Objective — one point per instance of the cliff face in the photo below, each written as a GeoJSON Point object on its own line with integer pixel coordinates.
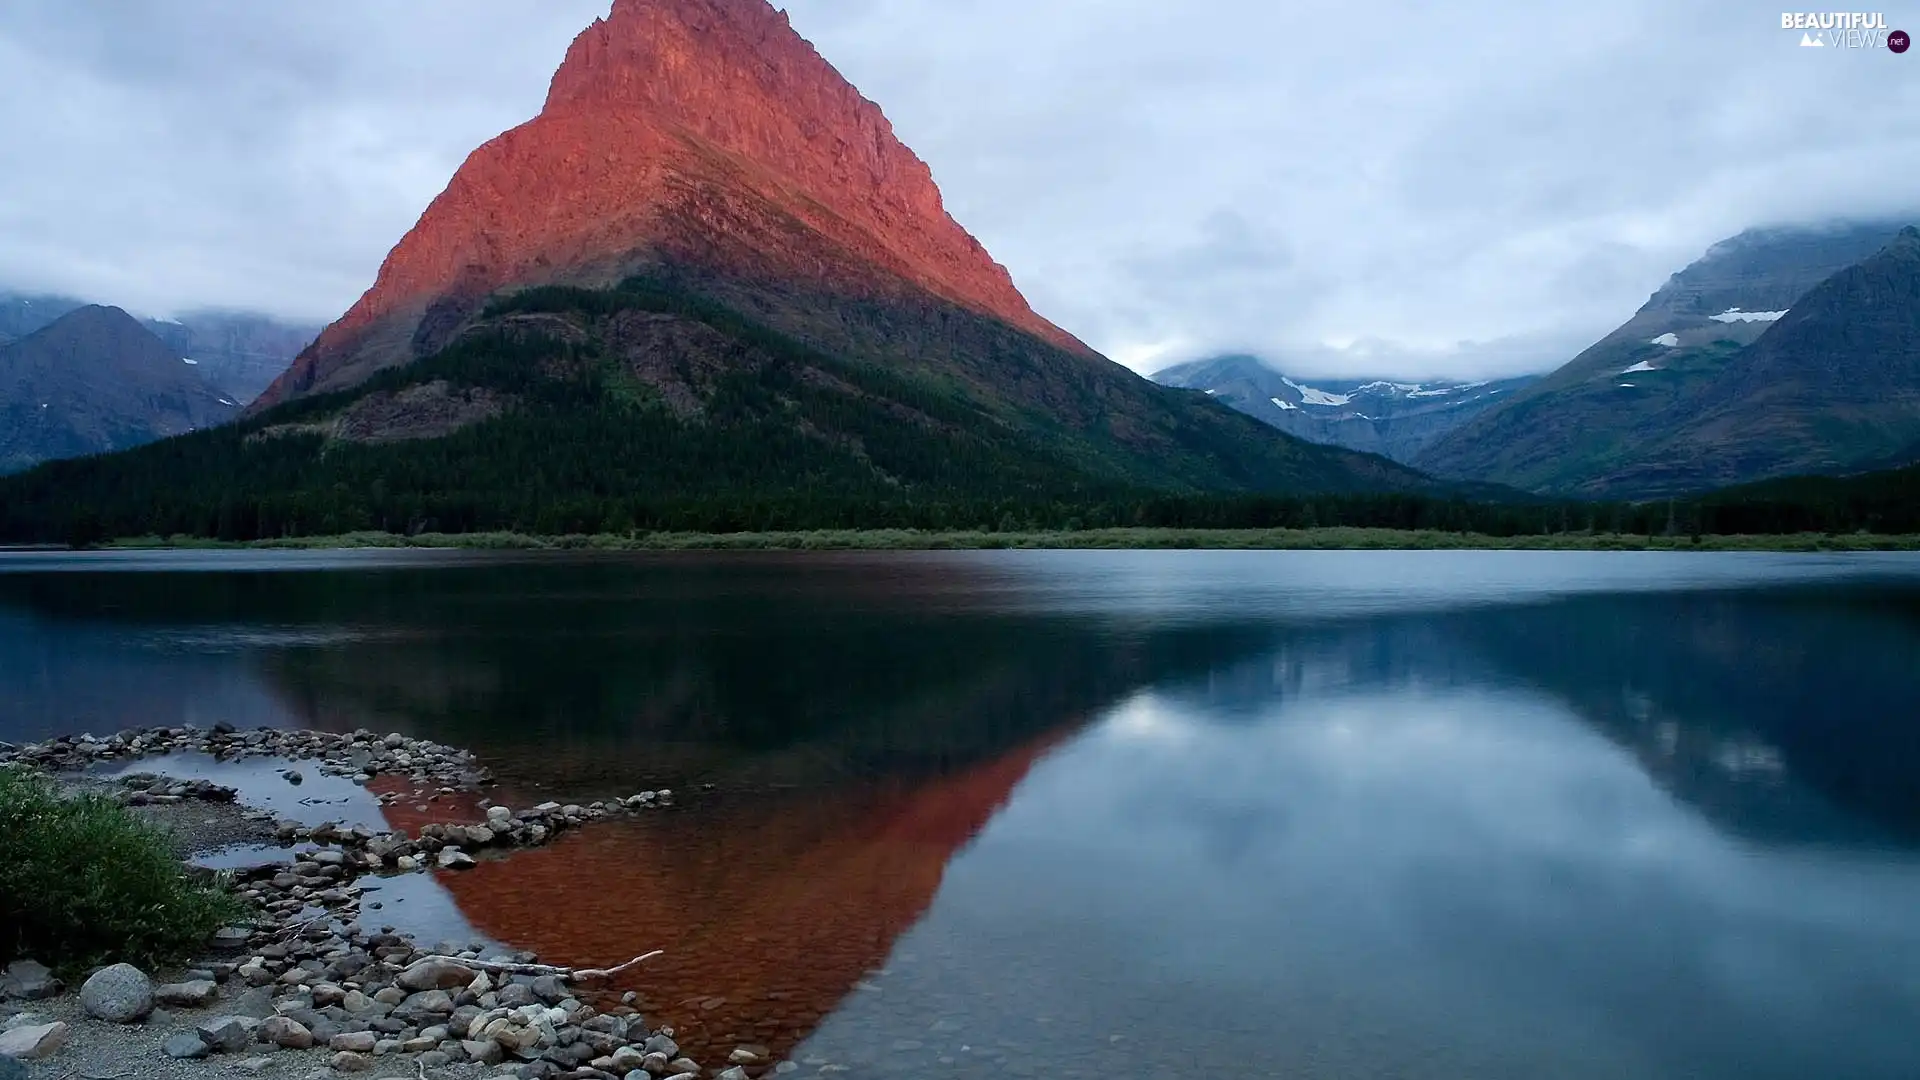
{"type": "Point", "coordinates": [702, 134]}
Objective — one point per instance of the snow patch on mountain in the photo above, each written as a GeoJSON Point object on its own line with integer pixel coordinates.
{"type": "Point", "coordinates": [1734, 315]}
{"type": "Point", "coordinates": [1442, 391]}
{"type": "Point", "coordinates": [1284, 405]}
{"type": "Point", "coordinates": [1670, 340]}
{"type": "Point", "coordinates": [1311, 396]}
{"type": "Point", "coordinates": [1641, 366]}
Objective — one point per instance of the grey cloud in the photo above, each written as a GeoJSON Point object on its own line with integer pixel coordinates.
{"type": "Point", "coordinates": [1476, 188]}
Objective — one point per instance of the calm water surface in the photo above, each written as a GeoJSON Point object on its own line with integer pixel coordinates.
{"type": "Point", "coordinates": [1120, 814]}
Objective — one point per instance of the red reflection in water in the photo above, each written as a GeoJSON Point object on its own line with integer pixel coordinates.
{"type": "Point", "coordinates": [771, 909]}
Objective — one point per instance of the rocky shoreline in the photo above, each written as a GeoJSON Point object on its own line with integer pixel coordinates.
{"type": "Point", "coordinates": [308, 989]}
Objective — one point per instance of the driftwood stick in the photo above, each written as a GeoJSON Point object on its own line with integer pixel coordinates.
{"type": "Point", "coordinates": [570, 974]}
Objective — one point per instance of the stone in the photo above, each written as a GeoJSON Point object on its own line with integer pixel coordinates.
{"type": "Point", "coordinates": [626, 1059]}
{"type": "Point", "coordinates": [256, 1003]}
{"type": "Point", "coordinates": [357, 1042]}
{"type": "Point", "coordinates": [22, 1020]}
{"type": "Point", "coordinates": [349, 1061]}
{"type": "Point", "coordinates": [356, 1003]}
{"type": "Point", "coordinates": [186, 1045]}
{"type": "Point", "coordinates": [229, 1034]}
{"type": "Point", "coordinates": [434, 1059]}
{"type": "Point", "coordinates": [425, 1004]}
{"type": "Point", "coordinates": [735, 1073]}
{"type": "Point", "coordinates": [656, 1064]}
{"type": "Point", "coordinates": [549, 988]}
{"type": "Point", "coordinates": [389, 995]}
{"type": "Point", "coordinates": [499, 817]}
{"type": "Point", "coordinates": [286, 1033]}
{"type": "Point", "coordinates": [193, 994]}
{"type": "Point", "coordinates": [662, 1044]}
{"type": "Point", "coordinates": [452, 858]}
{"type": "Point", "coordinates": [484, 1051]}
{"type": "Point", "coordinates": [231, 938]}
{"type": "Point", "coordinates": [685, 1067]}
{"type": "Point", "coordinates": [121, 994]}
{"type": "Point", "coordinates": [29, 980]}
{"type": "Point", "coordinates": [747, 1055]}
{"type": "Point", "coordinates": [34, 1042]}
{"type": "Point", "coordinates": [254, 1065]}
{"type": "Point", "coordinates": [434, 974]}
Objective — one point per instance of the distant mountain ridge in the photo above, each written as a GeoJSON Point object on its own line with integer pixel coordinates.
{"type": "Point", "coordinates": [239, 352]}
{"type": "Point", "coordinates": [1705, 342]}
{"type": "Point", "coordinates": [1394, 418]}
{"type": "Point", "coordinates": [96, 380]}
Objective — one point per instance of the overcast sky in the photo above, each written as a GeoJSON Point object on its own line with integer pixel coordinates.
{"type": "Point", "coordinates": [1397, 188]}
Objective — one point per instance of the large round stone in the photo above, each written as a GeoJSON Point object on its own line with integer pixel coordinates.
{"type": "Point", "coordinates": [121, 994]}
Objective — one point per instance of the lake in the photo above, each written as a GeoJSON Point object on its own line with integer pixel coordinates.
{"type": "Point", "coordinates": [1120, 814]}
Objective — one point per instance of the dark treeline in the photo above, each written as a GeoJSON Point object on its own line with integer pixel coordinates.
{"type": "Point", "coordinates": [334, 509]}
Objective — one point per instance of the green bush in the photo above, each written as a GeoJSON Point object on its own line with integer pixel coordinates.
{"type": "Point", "coordinates": [83, 882]}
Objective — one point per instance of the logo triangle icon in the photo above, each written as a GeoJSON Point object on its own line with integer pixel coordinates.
{"type": "Point", "coordinates": [1808, 41]}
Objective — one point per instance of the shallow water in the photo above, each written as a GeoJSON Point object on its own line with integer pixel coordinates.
{"type": "Point", "coordinates": [1120, 813]}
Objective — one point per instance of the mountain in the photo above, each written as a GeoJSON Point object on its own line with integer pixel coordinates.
{"type": "Point", "coordinates": [1833, 387]}
{"type": "Point", "coordinates": [23, 313]}
{"type": "Point", "coordinates": [239, 352]}
{"type": "Point", "coordinates": [1596, 426]}
{"type": "Point", "coordinates": [702, 135]}
{"type": "Point", "coordinates": [96, 380]}
{"type": "Point", "coordinates": [1380, 416]}
{"type": "Point", "coordinates": [705, 285]}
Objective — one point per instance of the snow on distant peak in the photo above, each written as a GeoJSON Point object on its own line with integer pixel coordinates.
{"type": "Point", "coordinates": [1284, 405]}
{"type": "Point", "coordinates": [1410, 389]}
{"type": "Point", "coordinates": [1311, 396]}
{"type": "Point", "coordinates": [1669, 340]}
{"type": "Point", "coordinates": [1442, 391]}
{"type": "Point", "coordinates": [184, 360]}
{"type": "Point", "coordinates": [1734, 315]}
{"type": "Point", "coordinates": [1641, 366]}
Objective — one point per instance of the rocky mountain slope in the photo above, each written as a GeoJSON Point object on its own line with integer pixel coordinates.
{"type": "Point", "coordinates": [239, 352]}
{"type": "Point", "coordinates": [1833, 387]}
{"type": "Point", "coordinates": [1590, 427]}
{"type": "Point", "coordinates": [97, 380]}
{"type": "Point", "coordinates": [1394, 418]}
